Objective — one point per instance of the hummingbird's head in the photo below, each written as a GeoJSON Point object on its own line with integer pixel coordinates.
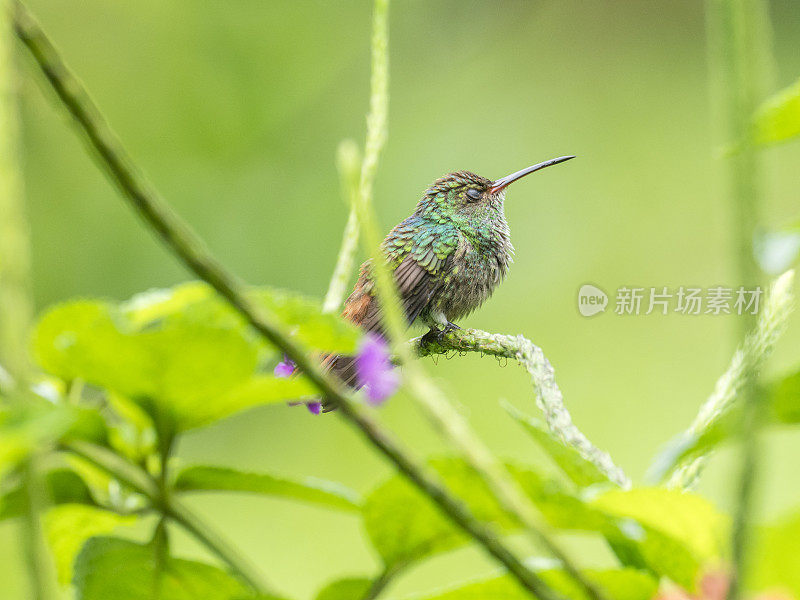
{"type": "Point", "coordinates": [464, 194]}
{"type": "Point", "coordinates": [461, 193]}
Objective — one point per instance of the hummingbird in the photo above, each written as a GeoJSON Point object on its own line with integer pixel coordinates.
{"type": "Point", "coordinates": [446, 258]}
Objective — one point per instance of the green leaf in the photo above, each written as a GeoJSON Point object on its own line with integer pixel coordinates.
{"type": "Point", "coordinates": [88, 340]}
{"type": "Point", "coordinates": [404, 526]}
{"type": "Point", "coordinates": [306, 321]}
{"type": "Point", "coordinates": [112, 568]}
{"type": "Point", "coordinates": [182, 354]}
{"type": "Point", "coordinates": [64, 486]}
{"type": "Point", "coordinates": [774, 557]}
{"type": "Point", "coordinates": [68, 526]}
{"type": "Point", "coordinates": [352, 588]}
{"type": "Point", "coordinates": [621, 584]}
{"type": "Point", "coordinates": [196, 300]}
{"type": "Point", "coordinates": [183, 370]}
{"type": "Point", "coordinates": [685, 517]}
{"type": "Point", "coordinates": [315, 491]}
{"type": "Point", "coordinates": [261, 390]}
{"type": "Point", "coordinates": [581, 471]}
{"type": "Point", "coordinates": [148, 308]}
{"type": "Point", "coordinates": [778, 119]}
{"type": "Point", "coordinates": [29, 428]}
{"type": "Point", "coordinates": [781, 406]}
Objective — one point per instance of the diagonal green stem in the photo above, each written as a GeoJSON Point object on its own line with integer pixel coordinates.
{"type": "Point", "coordinates": [137, 479]}
{"type": "Point", "coordinates": [16, 306]}
{"type": "Point", "coordinates": [380, 583]}
{"type": "Point", "coordinates": [189, 249]}
{"type": "Point", "coordinates": [39, 561]}
{"type": "Point", "coordinates": [546, 390]}
{"type": "Point", "coordinates": [739, 41]}
{"type": "Point", "coordinates": [348, 165]}
{"type": "Point", "coordinates": [15, 289]}
{"type": "Point", "coordinates": [431, 399]}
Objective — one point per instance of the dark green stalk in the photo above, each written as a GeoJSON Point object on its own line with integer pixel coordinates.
{"type": "Point", "coordinates": [15, 289]}
{"type": "Point", "coordinates": [39, 562]}
{"type": "Point", "coordinates": [137, 479]}
{"type": "Point", "coordinates": [434, 403]}
{"type": "Point", "coordinates": [738, 35]}
{"type": "Point", "coordinates": [16, 305]}
{"type": "Point", "coordinates": [546, 391]}
{"type": "Point", "coordinates": [185, 245]}
{"type": "Point", "coordinates": [382, 581]}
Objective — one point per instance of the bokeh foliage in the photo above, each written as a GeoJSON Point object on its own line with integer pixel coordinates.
{"type": "Point", "coordinates": [112, 346]}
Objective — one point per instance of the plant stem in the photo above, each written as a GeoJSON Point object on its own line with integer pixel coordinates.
{"type": "Point", "coordinates": [348, 166]}
{"type": "Point", "coordinates": [40, 566]}
{"type": "Point", "coordinates": [546, 390]}
{"type": "Point", "coordinates": [188, 248]}
{"type": "Point", "coordinates": [16, 305]}
{"type": "Point", "coordinates": [383, 580]}
{"type": "Point", "coordinates": [137, 479]}
{"type": "Point", "coordinates": [452, 507]}
{"type": "Point", "coordinates": [15, 290]}
{"type": "Point", "coordinates": [434, 403]}
{"type": "Point", "coordinates": [738, 31]}
{"type": "Point", "coordinates": [240, 565]}
{"type": "Point", "coordinates": [730, 388]}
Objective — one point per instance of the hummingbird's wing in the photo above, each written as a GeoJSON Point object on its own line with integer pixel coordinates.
{"type": "Point", "coordinates": [422, 254]}
{"type": "Point", "coordinates": [419, 257]}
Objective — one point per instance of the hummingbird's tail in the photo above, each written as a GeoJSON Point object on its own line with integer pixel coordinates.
{"type": "Point", "coordinates": [344, 367]}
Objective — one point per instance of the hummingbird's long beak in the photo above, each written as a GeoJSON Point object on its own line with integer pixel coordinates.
{"type": "Point", "coordinates": [504, 182]}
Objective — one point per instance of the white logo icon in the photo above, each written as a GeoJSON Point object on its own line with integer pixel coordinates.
{"type": "Point", "coordinates": [591, 300]}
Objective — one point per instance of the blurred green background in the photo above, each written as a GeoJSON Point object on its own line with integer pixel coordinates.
{"type": "Point", "coordinates": [235, 110]}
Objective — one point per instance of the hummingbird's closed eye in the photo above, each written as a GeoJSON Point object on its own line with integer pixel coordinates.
{"type": "Point", "coordinates": [474, 194]}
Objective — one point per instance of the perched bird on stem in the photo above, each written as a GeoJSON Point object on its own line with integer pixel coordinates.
{"type": "Point", "coordinates": [447, 257]}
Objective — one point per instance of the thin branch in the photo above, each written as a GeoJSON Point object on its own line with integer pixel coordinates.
{"type": "Point", "coordinates": [429, 397]}
{"type": "Point", "coordinates": [137, 479]}
{"type": "Point", "coordinates": [188, 248]}
{"type": "Point", "coordinates": [16, 306]}
{"type": "Point", "coordinates": [40, 565]}
{"type": "Point", "coordinates": [747, 360]}
{"type": "Point", "coordinates": [546, 391]}
{"type": "Point", "coordinates": [742, 30]}
{"type": "Point", "coordinates": [15, 287]}
{"type": "Point", "coordinates": [453, 507]}
{"type": "Point", "coordinates": [348, 165]}
{"type": "Point", "coordinates": [380, 583]}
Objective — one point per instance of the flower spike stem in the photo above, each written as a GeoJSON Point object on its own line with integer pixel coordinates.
{"type": "Point", "coordinates": [546, 391]}
{"type": "Point", "coordinates": [433, 402]}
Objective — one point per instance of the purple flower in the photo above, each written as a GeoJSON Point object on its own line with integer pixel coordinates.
{"type": "Point", "coordinates": [374, 369]}
{"type": "Point", "coordinates": [285, 368]}
{"type": "Point", "coordinates": [313, 407]}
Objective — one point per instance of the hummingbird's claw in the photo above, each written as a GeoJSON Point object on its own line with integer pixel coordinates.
{"type": "Point", "coordinates": [437, 335]}
{"type": "Point", "coordinates": [433, 336]}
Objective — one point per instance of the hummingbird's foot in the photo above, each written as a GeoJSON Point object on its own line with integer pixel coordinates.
{"type": "Point", "coordinates": [434, 336]}
{"type": "Point", "coordinates": [437, 335]}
